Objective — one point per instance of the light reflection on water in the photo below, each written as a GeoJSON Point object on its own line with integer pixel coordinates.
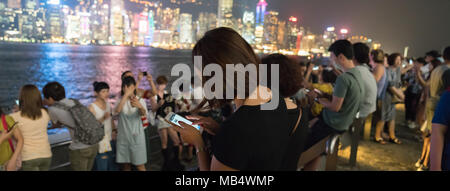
{"type": "Point", "coordinates": [77, 67]}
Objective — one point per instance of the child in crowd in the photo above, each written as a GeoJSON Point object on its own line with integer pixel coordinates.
{"type": "Point", "coordinates": [101, 108]}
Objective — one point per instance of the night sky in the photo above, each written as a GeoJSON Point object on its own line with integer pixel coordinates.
{"type": "Point", "coordinates": [420, 24]}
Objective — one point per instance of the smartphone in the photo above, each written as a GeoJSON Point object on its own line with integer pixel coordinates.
{"type": "Point", "coordinates": [17, 102]}
{"type": "Point", "coordinates": [174, 119]}
{"type": "Point", "coordinates": [411, 61]}
{"type": "Point", "coordinates": [318, 92]}
{"type": "Point", "coordinates": [316, 68]}
{"type": "Point", "coordinates": [13, 127]}
{"type": "Point", "coordinates": [145, 73]}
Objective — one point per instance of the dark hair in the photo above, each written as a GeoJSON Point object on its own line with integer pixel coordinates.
{"type": "Point", "coordinates": [329, 76]}
{"type": "Point", "coordinates": [392, 58]}
{"type": "Point", "coordinates": [127, 81]}
{"type": "Point", "coordinates": [160, 80]}
{"type": "Point", "coordinates": [434, 53]}
{"type": "Point", "coordinates": [54, 90]}
{"type": "Point", "coordinates": [30, 102]}
{"type": "Point", "coordinates": [291, 78]}
{"type": "Point", "coordinates": [224, 46]}
{"type": "Point", "coordinates": [343, 47]}
{"type": "Point", "coordinates": [446, 78]}
{"type": "Point", "coordinates": [361, 51]}
{"type": "Point", "coordinates": [378, 56]}
{"type": "Point", "coordinates": [447, 53]}
{"type": "Point", "coordinates": [421, 60]}
{"type": "Point", "coordinates": [436, 63]}
{"type": "Point", "coordinates": [125, 73]}
{"type": "Point", "coordinates": [99, 86]}
{"type": "Point", "coordinates": [303, 64]}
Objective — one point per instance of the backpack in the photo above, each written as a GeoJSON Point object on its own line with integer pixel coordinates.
{"type": "Point", "coordinates": [88, 129]}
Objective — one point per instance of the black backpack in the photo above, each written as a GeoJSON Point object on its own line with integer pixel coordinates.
{"type": "Point", "coordinates": [88, 129]}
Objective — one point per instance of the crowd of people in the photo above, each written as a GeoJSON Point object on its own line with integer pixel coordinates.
{"type": "Point", "coordinates": [316, 100]}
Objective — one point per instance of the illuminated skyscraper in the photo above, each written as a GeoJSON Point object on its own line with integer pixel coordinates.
{"type": "Point", "coordinates": [281, 39]}
{"type": "Point", "coordinates": [85, 31]}
{"type": "Point", "coordinates": [271, 30]}
{"type": "Point", "coordinates": [117, 22]}
{"type": "Point", "coordinates": [225, 13]}
{"type": "Point", "coordinates": [186, 29]}
{"type": "Point", "coordinates": [151, 28]}
{"type": "Point", "coordinates": [167, 19]}
{"type": "Point", "coordinates": [54, 20]}
{"type": "Point", "coordinates": [99, 22]}
{"type": "Point", "coordinates": [261, 12]}
{"type": "Point", "coordinates": [292, 34]}
{"type": "Point", "coordinates": [73, 32]}
{"type": "Point", "coordinates": [15, 4]}
{"type": "Point", "coordinates": [248, 32]}
{"type": "Point", "coordinates": [30, 4]}
{"type": "Point", "coordinates": [127, 34]}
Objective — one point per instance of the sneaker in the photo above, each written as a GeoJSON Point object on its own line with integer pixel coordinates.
{"type": "Point", "coordinates": [419, 163]}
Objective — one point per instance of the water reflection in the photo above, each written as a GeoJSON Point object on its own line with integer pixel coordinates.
{"type": "Point", "coordinates": [77, 67]}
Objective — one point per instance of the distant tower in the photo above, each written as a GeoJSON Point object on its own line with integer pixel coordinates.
{"type": "Point", "coordinates": [260, 12]}
{"type": "Point", "coordinates": [225, 13]}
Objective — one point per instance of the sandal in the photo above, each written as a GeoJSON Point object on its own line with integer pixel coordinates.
{"type": "Point", "coordinates": [380, 140]}
{"type": "Point", "coordinates": [395, 140]}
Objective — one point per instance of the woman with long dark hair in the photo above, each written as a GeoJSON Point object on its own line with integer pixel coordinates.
{"type": "Point", "coordinates": [251, 138]}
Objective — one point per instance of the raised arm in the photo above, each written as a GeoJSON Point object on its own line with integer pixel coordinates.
{"type": "Point", "coordinates": [19, 138]}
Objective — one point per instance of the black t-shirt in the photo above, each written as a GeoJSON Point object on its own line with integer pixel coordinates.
{"type": "Point", "coordinates": [253, 139]}
{"type": "Point", "coordinates": [167, 107]}
{"type": "Point", "coordinates": [297, 141]}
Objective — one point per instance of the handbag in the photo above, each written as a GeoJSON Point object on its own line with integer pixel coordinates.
{"type": "Point", "coordinates": [12, 144]}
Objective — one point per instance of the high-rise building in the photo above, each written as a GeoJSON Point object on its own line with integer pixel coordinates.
{"type": "Point", "coordinates": [186, 29]}
{"type": "Point", "coordinates": [260, 12]}
{"type": "Point", "coordinates": [117, 22]}
{"type": "Point", "coordinates": [292, 34]}
{"type": "Point", "coordinates": [167, 19]}
{"type": "Point", "coordinates": [73, 31]}
{"type": "Point", "coordinates": [271, 30]}
{"type": "Point", "coordinates": [248, 32]}
{"type": "Point", "coordinates": [225, 13]}
{"type": "Point", "coordinates": [30, 4]}
{"type": "Point", "coordinates": [54, 21]}
{"type": "Point", "coordinates": [99, 22]}
{"type": "Point", "coordinates": [85, 31]}
{"type": "Point", "coordinates": [281, 39]}
{"type": "Point", "coordinates": [28, 20]}
{"type": "Point", "coordinates": [127, 33]}
{"type": "Point", "coordinates": [151, 28]}
{"type": "Point", "coordinates": [14, 4]}
{"type": "Point", "coordinates": [9, 24]}
{"type": "Point", "coordinates": [329, 36]}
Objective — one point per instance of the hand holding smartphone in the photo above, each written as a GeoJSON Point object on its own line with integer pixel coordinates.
{"type": "Point", "coordinates": [174, 119]}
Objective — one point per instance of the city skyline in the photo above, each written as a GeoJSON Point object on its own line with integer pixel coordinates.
{"type": "Point", "coordinates": [173, 24]}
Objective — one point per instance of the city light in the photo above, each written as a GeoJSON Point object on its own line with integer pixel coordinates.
{"type": "Point", "coordinates": [293, 19]}
{"type": "Point", "coordinates": [53, 2]}
{"type": "Point", "coordinates": [163, 26]}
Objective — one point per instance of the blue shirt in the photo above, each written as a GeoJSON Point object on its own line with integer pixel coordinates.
{"type": "Point", "coordinates": [442, 117]}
